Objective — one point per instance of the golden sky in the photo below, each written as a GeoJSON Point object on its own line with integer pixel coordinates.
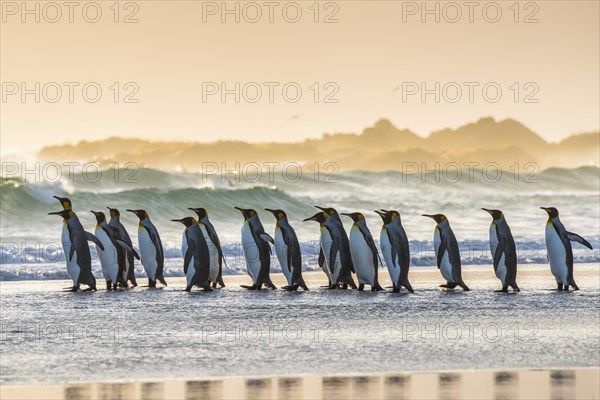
{"type": "Point", "coordinates": [368, 57]}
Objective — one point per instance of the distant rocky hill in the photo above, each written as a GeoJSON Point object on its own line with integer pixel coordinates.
{"type": "Point", "coordinates": [379, 147]}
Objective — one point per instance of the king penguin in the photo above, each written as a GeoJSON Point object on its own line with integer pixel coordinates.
{"type": "Point", "coordinates": [364, 253]}
{"type": "Point", "coordinates": [335, 248]}
{"type": "Point", "coordinates": [324, 237]}
{"type": "Point", "coordinates": [65, 240]}
{"type": "Point", "coordinates": [288, 252]}
{"type": "Point", "coordinates": [117, 226]}
{"type": "Point", "coordinates": [151, 249]}
{"type": "Point", "coordinates": [217, 259]}
{"type": "Point", "coordinates": [196, 257]}
{"type": "Point", "coordinates": [79, 259]}
{"type": "Point", "coordinates": [340, 245]}
{"type": "Point", "coordinates": [395, 249]}
{"type": "Point", "coordinates": [560, 252]}
{"type": "Point", "coordinates": [504, 251]}
{"type": "Point", "coordinates": [255, 243]}
{"type": "Point", "coordinates": [447, 252]}
{"type": "Point", "coordinates": [112, 258]}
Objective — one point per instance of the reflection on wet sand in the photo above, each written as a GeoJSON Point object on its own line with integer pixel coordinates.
{"type": "Point", "coordinates": [493, 385]}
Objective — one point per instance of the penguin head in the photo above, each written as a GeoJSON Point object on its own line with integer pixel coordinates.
{"type": "Point", "coordinates": [66, 214]}
{"type": "Point", "coordinates": [200, 212]}
{"type": "Point", "coordinates": [247, 212]}
{"type": "Point", "coordinates": [113, 212]}
{"type": "Point", "coordinates": [279, 214]}
{"type": "Point", "coordinates": [329, 211]}
{"type": "Point", "coordinates": [496, 214]}
{"type": "Point", "coordinates": [141, 214]}
{"type": "Point", "coordinates": [388, 216]}
{"type": "Point", "coordinates": [552, 212]}
{"type": "Point", "coordinates": [320, 217]}
{"type": "Point", "coordinates": [100, 217]}
{"type": "Point", "coordinates": [356, 216]}
{"type": "Point", "coordinates": [65, 202]}
{"type": "Point", "coordinates": [439, 218]}
{"type": "Point", "coordinates": [187, 221]}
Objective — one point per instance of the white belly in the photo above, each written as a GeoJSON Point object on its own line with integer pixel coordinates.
{"type": "Point", "coordinates": [326, 242]}
{"type": "Point", "coordinates": [72, 267]}
{"type": "Point", "coordinates": [147, 253]}
{"type": "Point", "coordinates": [362, 257]}
{"type": "Point", "coordinates": [108, 256]}
{"type": "Point", "coordinates": [500, 270]}
{"type": "Point", "coordinates": [557, 255]}
{"type": "Point", "coordinates": [213, 254]}
{"type": "Point", "coordinates": [251, 253]}
{"type": "Point", "coordinates": [445, 266]}
{"type": "Point", "coordinates": [281, 249]}
{"type": "Point", "coordinates": [386, 249]}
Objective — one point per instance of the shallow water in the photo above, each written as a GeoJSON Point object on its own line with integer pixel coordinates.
{"type": "Point", "coordinates": [53, 337]}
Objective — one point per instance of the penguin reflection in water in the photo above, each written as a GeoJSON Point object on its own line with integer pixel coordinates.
{"type": "Point", "coordinates": [288, 252]}
{"type": "Point", "coordinates": [504, 251]}
{"type": "Point", "coordinates": [365, 256]}
{"type": "Point", "coordinates": [447, 252]}
{"type": "Point", "coordinates": [196, 259]}
{"type": "Point", "coordinates": [79, 259]}
{"type": "Point", "coordinates": [255, 243]}
{"type": "Point", "coordinates": [112, 258]}
{"type": "Point", "coordinates": [560, 252]}
{"type": "Point", "coordinates": [151, 249]}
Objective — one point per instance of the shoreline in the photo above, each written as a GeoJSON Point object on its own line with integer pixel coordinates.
{"type": "Point", "coordinates": [521, 383]}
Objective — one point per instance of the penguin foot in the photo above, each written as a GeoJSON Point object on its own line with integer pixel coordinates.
{"type": "Point", "coordinates": [501, 291]}
{"type": "Point", "coordinates": [291, 288]}
{"type": "Point", "coordinates": [395, 289]}
{"type": "Point", "coordinates": [72, 289]}
{"type": "Point", "coordinates": [207, 288]}
{"type": "Point", "coordinates": [108, 285]}
{"type": "Point", "coordinates": [89, 289]}
{"type": "Point", "coordinates": [361, 287]}
{"type": "Point", "coordinates": [252, 287]}
{"type": "Point", "coordinates": [151, 283]}
{"type": "Point", "coordinates": [560, 286]}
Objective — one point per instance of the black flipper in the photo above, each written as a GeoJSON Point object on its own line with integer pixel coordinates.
{"type": "Point", "coordinates": [573, 237]}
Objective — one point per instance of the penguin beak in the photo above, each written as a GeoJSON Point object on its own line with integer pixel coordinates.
{"type": "Point", "coordinates": [428, 215]}
{"type": "Point", "coordinates": [94, 212]}
{"type": "Point", "coordinates": [177, 220]}
{"type": "Point", "coordinates": [313, 218]}
{"type": "Point", "coordinates": [381, 213]}
{"type": "Point", "coordinates": [56, 197]}
{"type": "Point", "coordinates": [274, 212]}
{"type": "Point", "coordinates": [485, 209]}
{"type": "Point", "coordinates": [321, 208]}
{"type": "Point", "coordinates": [243, 211]}
{"type": "Point", "coordinates": [55, 213]}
